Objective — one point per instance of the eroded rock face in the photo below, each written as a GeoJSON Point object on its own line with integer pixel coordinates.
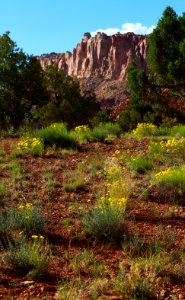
{"type": "Point", "coordinates": [101, 56]}
{"type": "Point", "coordinates": [100, 63]}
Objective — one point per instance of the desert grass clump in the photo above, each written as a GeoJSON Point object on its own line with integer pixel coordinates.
{"type": "Point", "coordinates": [31, 258]}
{"type": "Point", "coordinates": [2, 192]}
{"type": "Point", "coordinates": [85, 262]}
{"type": "Point", "coordinates": [139, 282]}
{"type": "Point", "coordinates": [57, 135]}
{"type": "Point", "coordinates": [16, 169]}
{"type": "Point", "coordinates": [74, 185]}
{"type": "Point", "coordinates": [98, 287]}
{"type": "Point", "coordinates": [2, 153]}
{"type": "Point", "coordinates": [140, 163]}
{"type": "Point", "coordinates": [6, 226]}
{"type": "Point", "coordinates": [171, 183]}
{"type": "Point", "coordinates": [71, 289]}
{"type": "Point", "coordinates": [29, 145]}
{"type": "Point", "coordinates": [74, 181]}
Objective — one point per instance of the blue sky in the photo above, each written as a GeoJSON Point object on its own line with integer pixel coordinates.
{"type": "Point", "coordinates": [44, 26]}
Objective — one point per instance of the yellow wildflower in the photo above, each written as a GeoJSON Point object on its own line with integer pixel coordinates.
{"type": "Point", "coordinates": [21, 206]}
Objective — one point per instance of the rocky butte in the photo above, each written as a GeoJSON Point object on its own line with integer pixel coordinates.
{"type": "Point", "coordinates": [100, 62]}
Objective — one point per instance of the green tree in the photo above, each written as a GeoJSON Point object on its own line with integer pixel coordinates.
{"type": "Point", "coordinates": [140, 107]}
{"type": "Point", "coordinates": [159, 94]}
{"type": "Point", "coordinates": [67, 104]}
{"type": "Point", "coordinates": [21, 83]}
{"type": "Point", "coordinates": [166, 55]}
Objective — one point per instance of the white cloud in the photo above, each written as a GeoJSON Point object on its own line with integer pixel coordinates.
{"type": "Point", "coordinates": [137, 28]}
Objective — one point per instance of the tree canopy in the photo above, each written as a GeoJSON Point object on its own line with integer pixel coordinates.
{"type": "Point", "coordinates": [30, 94]}
{"type": "Point", "coordinates": [21, 83]}
{"type": "Point", "coordinates": [66, 104]}
{"type": "Point", "coordinates": [156, 94]}
{"type": "Point", "coordinates": [166, 54]}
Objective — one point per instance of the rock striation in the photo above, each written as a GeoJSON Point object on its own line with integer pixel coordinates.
{"type": "Point", "coordinates": [100, 61]}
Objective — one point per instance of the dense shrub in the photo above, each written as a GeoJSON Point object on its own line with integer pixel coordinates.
{"type": "Point", "coordinates": [57, 135]}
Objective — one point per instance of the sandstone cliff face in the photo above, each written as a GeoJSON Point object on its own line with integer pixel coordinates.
{"type": "Point", "coordinates": [101, 56]}
{"type": "Point", "coordinates": [100, 62]}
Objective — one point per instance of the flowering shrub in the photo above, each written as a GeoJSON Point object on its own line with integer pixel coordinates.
{"type": "Point", "coordinates": [28, 217]}
{"type": "Point", "coordinates": [145, 129]}
{"type": "Point", "coordinates": [155, 150]}
{"type": "Point", "coordinates": [171, 181]}
{"type": "Point", "coordinates": [81, 129]}
{"type": "Point", "coordinates": [33, 146]}
{"type": "Point", "coordinates": [59, 126]}
{"type": "Point", "coordinates": [173, 145]}
{"type": "Point", "coordinates": [83, 132]}
{"type": "Point", "coordinates": [106, 216]}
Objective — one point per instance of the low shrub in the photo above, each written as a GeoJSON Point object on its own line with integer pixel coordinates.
{"type": "Point", "coordinates": [155, 150]}
{"type": "Point", "coordinates": [178, 130]}
{"type": "Point", "coordinates": [29, 219]}
{"type": "Point", "coordinates": [104, 131]}
{"type": "Point", "coordinates": [31, 258]}
{"type": "Point", "coordinates": [32, 146]}
{"type": "Point", "coordinates": [140, 163]}
{"type": "Point", "coordinates": [145, 129]}
{"type": "Point", "coordinates": [2, 192]}
{"type": "Point", "coordinates": [83, 133]}
{"type": "Point", "coordinates": [6, 225]}
{"type": "Point", "coordinates": [171, 183]}
{"type": "Point", "coordinates": [107, 215]}
{"type": "Point", "coordinates": [105, 218]}
{"type": "Point", "coordinates": [174, 146]}
{"type": "Point", "coordinates": [140, 282]}
{"type": "Point", "coordinates": [57, 135]}
{"type": "Point", "coordinates": [2, 153]}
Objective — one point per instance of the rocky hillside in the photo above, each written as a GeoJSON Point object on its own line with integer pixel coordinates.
{"type": "Point", "coordinates": [100, 62]}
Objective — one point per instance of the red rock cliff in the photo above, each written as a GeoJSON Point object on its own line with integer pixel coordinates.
{"type": "Point", "coordinates": [100, 62]}
{"type": "Point", "coordinates": [102, 55]}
